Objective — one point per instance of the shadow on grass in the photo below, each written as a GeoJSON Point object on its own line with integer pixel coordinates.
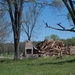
{"type": "Point", "coordinates": [58, 63]}
{"type": "Point", "coordinates": [5, 60]}
{"type": "Point", "coordinates": [41, 63]}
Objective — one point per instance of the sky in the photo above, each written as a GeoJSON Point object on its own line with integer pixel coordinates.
{"type": "Point", "coordinates": [49, 15]}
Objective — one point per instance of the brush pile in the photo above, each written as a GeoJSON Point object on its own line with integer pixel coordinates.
{"type": "Point", "coordinates": [50, 47]}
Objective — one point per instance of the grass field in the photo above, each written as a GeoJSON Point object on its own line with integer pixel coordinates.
{"type": "Point", "coordinates": [40, 66]}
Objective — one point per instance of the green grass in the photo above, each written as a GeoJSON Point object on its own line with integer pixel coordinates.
{"type": "Point", "coordinates": [40, 66]}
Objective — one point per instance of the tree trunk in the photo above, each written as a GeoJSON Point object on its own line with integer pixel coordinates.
{"type": "Point", "coordinates": [16, 48]}
{"type": "Point", "coordinates": [29, 38]}
{"type": "Point", "coordinates": [16, 20]}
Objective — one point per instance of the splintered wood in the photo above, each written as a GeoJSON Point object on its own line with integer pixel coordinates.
{"type": "Point", "coordinates": [51, 47]}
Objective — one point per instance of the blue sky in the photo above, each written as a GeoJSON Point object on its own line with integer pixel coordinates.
{"type": "Point", "coordinates": [50, 16]}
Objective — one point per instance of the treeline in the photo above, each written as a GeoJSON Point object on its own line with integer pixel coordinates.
{"type": "Point", "coordinates": [9, 47]}
{"type": "Point", "coordinates": [69, 41]}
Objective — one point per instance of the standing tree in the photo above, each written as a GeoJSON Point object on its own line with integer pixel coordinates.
{"type": "Point", "coordinates": [4, 26]}
{"type": "Point", "coordinates": [30, 19]}
{"type": "Point", "coordinates": [54, 37]}
{"type": "Point", "coordinates": [4, 30]}
{"type": "Point", "coordinates": [14, 8]}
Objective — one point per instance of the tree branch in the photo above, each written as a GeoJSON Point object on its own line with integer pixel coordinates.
{"type": "Point", "coordinates": [59, 24]}
{"type": "Point", "coordinates": [60, 29]}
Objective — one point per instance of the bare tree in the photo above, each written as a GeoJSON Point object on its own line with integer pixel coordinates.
{"type": "Point", "coordinates": [14, 9]}
{"type": "Point", "coordinates": [4, 26]}
{"type": "Point", "coordinates": [70, 5]}
{"type": "Point", "coordinates": [15, 12]}
{"type": "Point", "coordinates": [30, 20]}
{"type": "Point", "coordinates": [4, 32]}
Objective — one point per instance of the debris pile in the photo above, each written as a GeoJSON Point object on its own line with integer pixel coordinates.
{"type": "Point", "coordinates": [50, 47]}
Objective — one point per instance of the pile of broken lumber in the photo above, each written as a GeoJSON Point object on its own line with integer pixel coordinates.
{"type": "Point", "coordinates": [50, 47]}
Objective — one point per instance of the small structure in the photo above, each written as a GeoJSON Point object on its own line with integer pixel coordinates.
{"type": "Point", "coordinates": [28, 49]}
